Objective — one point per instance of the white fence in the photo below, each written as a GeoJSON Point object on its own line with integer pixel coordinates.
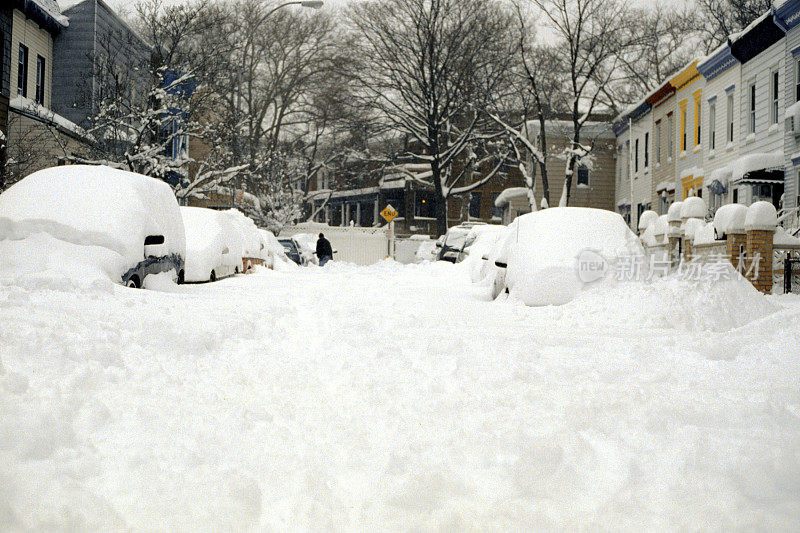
{"type": "Point", "coordinates": [362, 246]}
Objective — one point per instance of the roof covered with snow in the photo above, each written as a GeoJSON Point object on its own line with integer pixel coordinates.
{"type": "Point", "coordinates": [44, 12]}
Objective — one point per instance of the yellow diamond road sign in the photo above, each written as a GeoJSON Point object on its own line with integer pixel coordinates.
{"type": "Point", "coordinates": [389, 213]}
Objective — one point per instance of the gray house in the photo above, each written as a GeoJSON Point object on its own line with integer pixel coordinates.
{"type": "Point", "coordinates": [97, 53]}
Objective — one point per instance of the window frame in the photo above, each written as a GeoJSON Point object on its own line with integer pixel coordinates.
{"type": "Point", "coordinates": [646, 150]}
{"type": "Point", "coordinates": [730, 116]}
{"type": "Point", "coordinates": [712, 125]}
{"type": "Point", "coordinates": [23, 59]}
{"type": "Point", "coordinates": [657, 141]}
{"type": "Point", "coordinates": [670, 135]}
{"type": "Point", "coordinates": [751, 107]}
{"type": "Point", "coordinates": [775, 95]}
{"type": "Point", "coordinates": [582, 168]}
{"type": "Point", "coordinates": [41, 78]}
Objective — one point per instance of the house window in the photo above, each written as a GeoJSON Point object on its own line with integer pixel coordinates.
{"type": "Point", "coordinates": [40, 70]}
{"type": "Point", "coordinates": [752, 111]}
{"type": "Point", "coordinates": [712, 125]}
{"type": "Point", "coordinates": [730, 118]}
{"type": "Point", "coordinates": [474, 205]}
{"type": "Point", "coordinates": [497, 212]}
{"type": "Point", "coordinates": [774, 93]}
{"type": "Point", "coordinates": [636, 157]}
{"type": "Point", "coordinates": [698, 117]}
{"type": "Point", "coordinates": [646, 149]}
{"type": "Point", "coordinates": [658, 142]}
{"type": "Point", "coordinates": [583, 175]}
{"type": "Point", "coordinates": [736, 196]}
{"type": "Point", "coordinates": [797, 81]}
{"type": "Point", "coordinates": [22, 71]}
{"type": "Point", "coordinates": [670, 137]}
{"type": "Point", "coordinates": [683, 126]}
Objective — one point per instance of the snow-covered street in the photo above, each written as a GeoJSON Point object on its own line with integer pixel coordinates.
{"type": "Point", "coordinates": [397, 397]}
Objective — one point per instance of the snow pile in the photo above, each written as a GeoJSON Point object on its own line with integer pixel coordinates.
{"type": "Point", "coordinates": [711, 297]}
{"type": "Point", "coordinates": [646, 219]}
{"type": "Point", "coordinates": [705, 234]}
{"type": "Point", "coordinates": [674, 212]}
{"type": "Point", "coordinates": [761, 216]}
{"type": "Point", "coordinates": [730, 218]}
{"type": "Point", "coordinates": [553, 254]}
{"type": "Point", "coordinates": [90, 207]}
{"type": "Point", "coordinates": [41, 261]}
{"type": "Point", "coordinates": [692, 226]}
{"type": "Point", "coordinates": [390, 398]}
{"type": "Point", "coordinates": [693, 207]}
{"type": "Point", "coordinates": [213, 242]}
{"type": "Point", "coordinates": [782, 238]}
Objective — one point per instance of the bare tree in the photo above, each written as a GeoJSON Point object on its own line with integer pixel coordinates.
{"type": "Point", "coordinates": [663, 39]}
{"type": "Point", "coordinates": [430, 67]}
{"type": "Point", "coordinates": [589, 38]}
{"type": "Point", "coordinates": [717, 19]}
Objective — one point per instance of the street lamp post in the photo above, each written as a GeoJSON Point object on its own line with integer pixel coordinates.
{"type": "Point", "coordinates": [313, 4]}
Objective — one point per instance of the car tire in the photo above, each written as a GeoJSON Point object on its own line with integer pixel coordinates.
{"type": "Point", "coordinates": [133, 283]}
{"type": "Point", "coordinates": [213, 276]}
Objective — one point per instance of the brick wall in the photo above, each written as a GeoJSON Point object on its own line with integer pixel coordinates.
{"type": "Point", "coordinates": [759, 248]}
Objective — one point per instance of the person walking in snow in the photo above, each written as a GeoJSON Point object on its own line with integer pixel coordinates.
{"type": "Point", "coordinates": [324, 251]}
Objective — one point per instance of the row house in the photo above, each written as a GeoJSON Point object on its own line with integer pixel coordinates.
{"type": "Point", "coordinates": [6, 17]}
{"type": "Point", "coordinates": [722, 128]}
{"type": "Point", "coordinates": [37, 136]}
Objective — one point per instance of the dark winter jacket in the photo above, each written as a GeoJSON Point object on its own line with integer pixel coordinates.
{"type": "Point", "coordinates": [324, 248]}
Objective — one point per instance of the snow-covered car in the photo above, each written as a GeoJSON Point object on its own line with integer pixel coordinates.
{"type": "Point", "coordinates": [479, 241]}
{"type": "Point", "coordinates": [454, 241]}
{"type": "Point", "coordinates": [293, 250]}
{"type": "Point", "coordinates": [118, 224]}
{"type": "Point", "coordinates": [307, 246]}
{"type": "Point", "coordinates": [213, 245]}
{"type": "Point", "coordinates": [478, 244]}
{"type": "Point", "coordinates": [275, 251]}
{"type": "Point", "coordinates": [548, 256]}
{"type": "Point", "coordinates": [254, 245]}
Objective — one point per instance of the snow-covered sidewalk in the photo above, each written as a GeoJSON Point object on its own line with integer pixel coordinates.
{"type": "Point", "coordinates": [397, 397]}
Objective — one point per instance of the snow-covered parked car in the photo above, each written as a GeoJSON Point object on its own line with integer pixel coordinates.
{"type": "Point", "coordinates": [118, 224]}
{"type": "Point", "coordinates": [276, 252]}
{"type": "Point", "coordinates": [454, 242]}
{"type": "Point", "coordinates": [547, 257]}
{"type": "Point", "coordinates": [293, 250]}
{"type": "Point", "coordinates": [479, 242]}
{"type": "Point", "coordinates": [254, 245]}
{"type": "Point", "coordinates": [213, 245]}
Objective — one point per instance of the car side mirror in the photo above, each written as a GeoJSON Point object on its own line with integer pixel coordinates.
{"type": "Point", "coordinates": [438, 244]}
{"type": "Point", "coordinates": [500, 264]}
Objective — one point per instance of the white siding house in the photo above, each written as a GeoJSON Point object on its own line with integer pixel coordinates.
{"type": "Point", "coordinates": [722, 72]}
{"type": "Point", "coordinates": [787, 16]}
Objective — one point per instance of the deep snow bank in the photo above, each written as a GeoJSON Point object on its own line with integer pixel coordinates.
{"type": "Point", "coordinates": [711, 298]}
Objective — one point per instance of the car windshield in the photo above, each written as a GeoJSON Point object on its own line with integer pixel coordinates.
{"type": "Point", "coordinates": [288, 246]}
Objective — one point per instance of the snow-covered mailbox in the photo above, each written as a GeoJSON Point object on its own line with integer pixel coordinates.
{"type": "Point", "coordinates": [92, 222]}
